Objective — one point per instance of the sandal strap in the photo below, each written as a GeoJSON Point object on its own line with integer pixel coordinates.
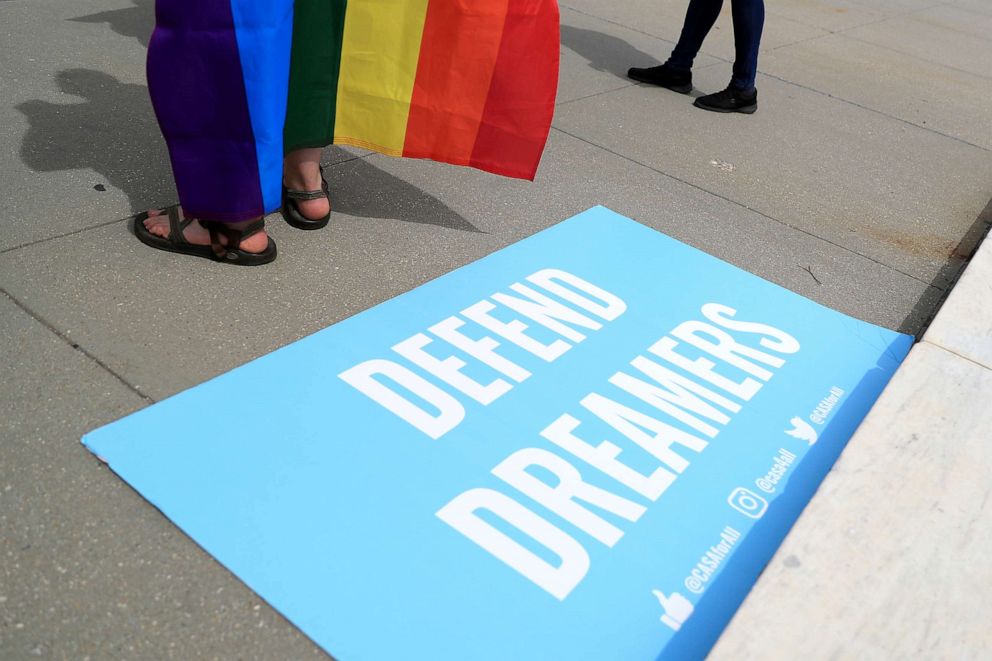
{"type": "Point", "coordinates": [252, 228]}
{"type": "Point", "coordinates": [304, 195]}
{"type": "Point", "coordinates": [177, 226]}
{"type": "Point", "coordinates": [234, 236]}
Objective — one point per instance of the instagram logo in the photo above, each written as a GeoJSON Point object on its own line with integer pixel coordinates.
{"type": "Point", "coordinates": [747, 503]}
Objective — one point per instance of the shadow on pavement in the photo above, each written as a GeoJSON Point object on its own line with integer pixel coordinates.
{"type": "Point", "coordinates": [360, 189]}
{"type": "Point", "coordinates": [110, 129]}
{"type": "Point", "coordinates": [134, 22]}
{"type": "Point", "coordinates": [604, 52]}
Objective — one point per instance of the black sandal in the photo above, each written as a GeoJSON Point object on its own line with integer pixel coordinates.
{"type": "Point", "coordinates": [291, 212]}
{"type": "Point", "coordinates": [229, 254]}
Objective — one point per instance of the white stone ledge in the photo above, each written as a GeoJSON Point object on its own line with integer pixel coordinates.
{"type": "Point", "coordinates": [964, 323]}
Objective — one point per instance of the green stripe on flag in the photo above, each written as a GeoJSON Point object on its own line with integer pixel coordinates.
{"type": "Point", "coordinates": [318, 31]}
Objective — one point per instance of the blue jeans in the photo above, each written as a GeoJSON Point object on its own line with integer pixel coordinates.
{"type": "Point", "coordinates": [749, 18]}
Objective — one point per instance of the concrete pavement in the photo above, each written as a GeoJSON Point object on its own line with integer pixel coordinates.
{"type": "Point", "coordinates": [863, 183]}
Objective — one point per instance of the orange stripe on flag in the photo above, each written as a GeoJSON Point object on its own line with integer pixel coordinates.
{"type": "Point", "coordinates": [459, 48]}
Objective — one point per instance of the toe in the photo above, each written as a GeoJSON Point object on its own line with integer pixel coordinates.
{"type": "Point", "coordinates": [157, 226]}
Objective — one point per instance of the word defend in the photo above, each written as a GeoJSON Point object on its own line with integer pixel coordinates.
{"type": "Point", "coordinates": [374, 376]}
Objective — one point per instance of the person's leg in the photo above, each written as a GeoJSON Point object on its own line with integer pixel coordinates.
{"type": "Point", "coordinates": [318, 29]}
{"type": "Point", "coordinates": [676, 73]}
{"type": "Point", "coordinates": [699, 20]}
{"type": "Point", "coordinates": [749, 19]}
{"type": "Point", "coordinates": [301, 171]}
{"type": "Point", "coordinates": [741, 95]}
{"type": "Point", "coordinates": [221, 113]}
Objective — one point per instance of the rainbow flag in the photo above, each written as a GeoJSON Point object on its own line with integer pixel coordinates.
{"type": "Point", "coordinates": [469, 82]}
{"type": "Point", "coordinates": [237, 83]}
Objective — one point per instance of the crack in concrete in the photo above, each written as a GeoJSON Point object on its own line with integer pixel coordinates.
{"type": "Point", "coordinates": [75, 345]}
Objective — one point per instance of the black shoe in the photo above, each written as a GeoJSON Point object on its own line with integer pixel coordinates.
{"type": "Point", "coordinates": [729, 100]}
{"type": "Point", "coordinates": [664, 76]}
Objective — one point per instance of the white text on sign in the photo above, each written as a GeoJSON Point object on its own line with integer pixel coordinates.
{"type": "Point", "coordinates": [436, 411]}
{"type": "Point", "coordinates": [680, 392]}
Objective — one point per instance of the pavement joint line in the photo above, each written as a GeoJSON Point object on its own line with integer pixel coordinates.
{"type": "Point", "coordinates": [803, 41]}
{"type": "Point", "coordinates": [813, 89]}
{"type": "Point", "coordinates": [955, 353]}
{"type": "Point", "coordinates": [873, 110]}
{"type": "Point", "coordinates": [75, 345]}
{"type": "Point", "coordinates": [62, 236]}
{"type": "Point", "coordinates": [908, 12]}
{"type": "Point", "coordinates": [746, 207]}
{"type": "Point", "coordinates": [591, 96]}
{"type": "Point", "coordinates": [966, 10]}
{"type": "Point", "coordinates": [978, 12]}
{"type": "Point", "coordinates": [708, 66]}
{"type": "Point", "coordinates": [916, 57]}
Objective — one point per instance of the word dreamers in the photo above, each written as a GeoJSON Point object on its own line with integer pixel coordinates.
{"type": "Point", "coordinates": [667, 405]}
{"type": "Point", "coordinates": [436, 411]}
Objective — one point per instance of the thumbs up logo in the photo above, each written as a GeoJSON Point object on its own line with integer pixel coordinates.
{"type": "Point", "coordinates": [677, 609]}
{"type": "Point", "coordinates": [802, 430]}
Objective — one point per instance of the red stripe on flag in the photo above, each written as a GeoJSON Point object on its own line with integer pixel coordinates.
{"type": "Point", "coordinates": [458, 55]}
{"type": "Point", "coordinates": [521, 103]}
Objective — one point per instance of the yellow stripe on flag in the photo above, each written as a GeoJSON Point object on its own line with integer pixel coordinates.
{"type": "Point", "coordinates": [379, 58]}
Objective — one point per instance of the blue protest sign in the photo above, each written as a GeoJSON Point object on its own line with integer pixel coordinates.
{"type": "Point", "coordinates": [584, 446]}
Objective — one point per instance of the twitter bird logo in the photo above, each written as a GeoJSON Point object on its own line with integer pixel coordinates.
{"type": "Point", "coordinates": [802, 430]}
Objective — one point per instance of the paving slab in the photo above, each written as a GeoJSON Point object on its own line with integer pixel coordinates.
{"type": "Point", "coordinates": [664, 20]}
{"type": "Point", "coordinates": [89, 569]}
{"type": "Point", "coordinates": [886, 561]}
{"type": "Point", "coordinates": [167, 323]}
{"type": "Point", "coordinates": [882, 188]}
{"type": "Point", "coordinates": [927, 40]}
{"type": "Point", "coordinates": [928, 95]}
{"type": "Point", "coordinates": [964, 324]}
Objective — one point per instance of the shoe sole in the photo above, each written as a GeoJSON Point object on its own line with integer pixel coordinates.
{"type": "Point", "coordinates": [301, 222]}
{"type": "Point", "coordinates": [746, 110]}
{"type": "Point", "coordinates": [681, 89]}
{"type": "Point", "coordinates": [294, 218]}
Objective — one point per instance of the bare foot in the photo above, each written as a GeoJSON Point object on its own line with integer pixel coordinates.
{"type": "Point", "coordinates": [158, 224]}
{"type": "Point", "coordinates": [301, 171]}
